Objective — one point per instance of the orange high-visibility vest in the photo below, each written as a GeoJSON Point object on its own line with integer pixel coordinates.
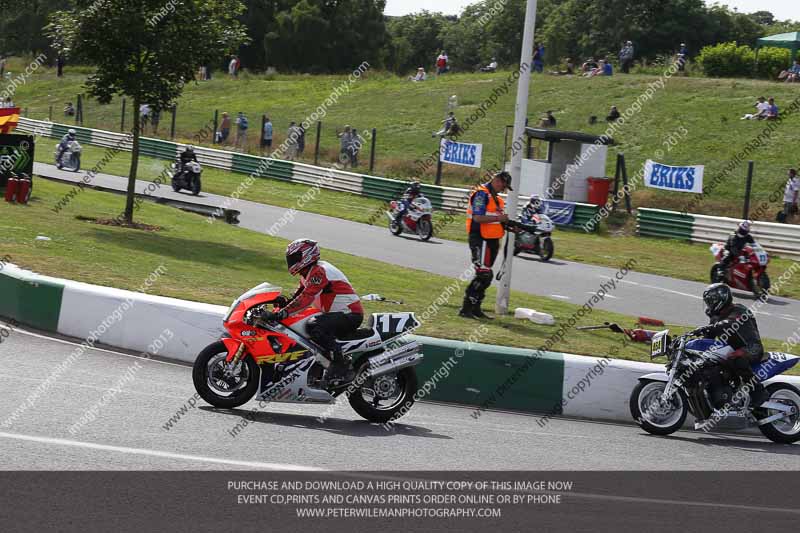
{"type": "Point", "coordinates": [489, 230]}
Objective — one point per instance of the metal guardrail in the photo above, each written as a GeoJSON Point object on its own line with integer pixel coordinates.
{"type": "Point", "coordinates": [450, 199]}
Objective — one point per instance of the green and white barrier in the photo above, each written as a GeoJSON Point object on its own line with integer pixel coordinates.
{"type": "Point", "coordinates": [781, 239]}
{"type": "Point", "coordinates": [449, 199]}
{"type": "Point", "coordinates": [486, 377]}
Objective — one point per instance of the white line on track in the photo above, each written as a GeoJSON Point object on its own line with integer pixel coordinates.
{"type": "Point", "coordinates": [559, 297]}
{"type": "Point", "coordinates": [156, 453]}
{"type": "Point", "coordinates": [606, 296]}
{"type": "Point", "coordinates": [662, 289]}
{"type": "Point", "coordinates": [76, 344]}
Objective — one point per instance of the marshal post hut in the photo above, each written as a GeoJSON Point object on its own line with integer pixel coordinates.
{"type": "Point", "coordinates": [559, 164]}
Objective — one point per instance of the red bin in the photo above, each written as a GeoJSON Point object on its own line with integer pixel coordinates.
{"type": "Point", "coordinates": [11, 189]}
{"type": "Point", "coordinates": [23, 191]}
{"type": "Point", "coordinates": [598, 190]}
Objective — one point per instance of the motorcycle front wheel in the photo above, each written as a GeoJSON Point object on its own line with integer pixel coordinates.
{"type": "Point", "coordinates": [196, 186]}
{"type": "Point", "coordinates": [785, 430]}
{"type": "Point", "coordinates": [221, 389]}
{"type": "Point", "coordinates": [547, 249]}
{"type": "Point", "coordinates": [653, 415]}
{"type": "Point", "coordinates": [175, 186]}
{"type": "Point", "coordinates": [716, 274]}
{"type": "Point", "coordinates": [386, 397]}
{"type": "Point", "coordinates": [761, 286]}
{"type": "Point", "coordinates": [425, 229]}
{"type": "Point", "coordinates": [395, 228]}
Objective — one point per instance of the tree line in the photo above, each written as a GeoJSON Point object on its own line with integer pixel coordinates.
{"type": "Point", "coordinates": [320, 36]}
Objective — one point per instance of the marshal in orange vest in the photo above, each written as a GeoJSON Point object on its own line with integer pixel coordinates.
{"type": "Point", "coordinates": [496, 206]}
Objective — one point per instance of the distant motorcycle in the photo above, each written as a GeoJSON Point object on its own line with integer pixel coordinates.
{"type": "Point", "coordinates": [418, 219]}
{"type": "Point", "coordinates": [700, 381]}
{"type": "Point", "coordinates": [70, 159]}
{"type": "Point", "coordinates": [187, 176]}
{"type": "Point", "coordinates": [534, 236]}
{"type": "Point", "coordinates": [749, 273]}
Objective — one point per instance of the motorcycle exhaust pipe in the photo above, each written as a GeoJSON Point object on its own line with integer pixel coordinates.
{"type": "Point", "coordinates": [395, 360]}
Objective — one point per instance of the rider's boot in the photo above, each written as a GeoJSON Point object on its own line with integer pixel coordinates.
{"type": "Point", "coordinates": [341, 369]}
{"type": "Point", "coordinates": [467, 308]}
{"type": "Point", "coordinates": [478, 313]}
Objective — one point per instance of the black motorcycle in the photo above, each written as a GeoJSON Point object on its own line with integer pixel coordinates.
{"type": "Point", "coordinates": [187, 176]}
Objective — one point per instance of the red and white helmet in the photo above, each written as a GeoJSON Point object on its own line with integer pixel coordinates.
{"type": "Point", "coordinates": [301, 254]}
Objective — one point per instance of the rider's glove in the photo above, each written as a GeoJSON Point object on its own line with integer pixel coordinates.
{"type": "Point", "coordinates": [281, 301]}
{"type": "Point", "coordinates": [702, 331]}
{"type": "Point", "coordinates": [274, 317]}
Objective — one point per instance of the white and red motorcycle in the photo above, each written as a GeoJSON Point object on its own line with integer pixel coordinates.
{"type": "Point", "coordinates": [418, 218]}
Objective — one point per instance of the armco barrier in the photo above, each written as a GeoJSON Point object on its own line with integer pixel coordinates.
{"type": "Point", "coordinates": [490, 377]}
{"type": "Point", "coordinates": [444, 198]}
{"type": "Point", "coordinates": [782, 239]}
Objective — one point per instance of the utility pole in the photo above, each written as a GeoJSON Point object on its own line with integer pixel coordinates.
{"type": "Point", "coordinates": [512, 201]}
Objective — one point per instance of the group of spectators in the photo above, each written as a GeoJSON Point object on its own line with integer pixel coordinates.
{"type": "Point", "coordinates": [792, 74]}
{"type": "Point", "coordinates": [350, 143]}
{"type": "Point", "coordinates": [765, 110]}
{"type": "Point", "coordinates": [147, 115]}
{"type": "Point", "coordinates": [295, 135]}
{"type": "Point", "coordinates": [6, 103]}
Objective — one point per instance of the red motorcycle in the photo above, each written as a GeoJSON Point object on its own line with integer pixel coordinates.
{"type": "Point", "coordinates": [277, 361]}
{"type": "Point", "coordinates": [749, 273]}
{"type": "Point", "coordinates": [418, 218]}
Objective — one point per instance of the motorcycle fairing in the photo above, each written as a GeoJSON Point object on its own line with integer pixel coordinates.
{"type": "Point", "coordinates": [778, 363]}
{"type": "Point", "coordinates": [291, 385]}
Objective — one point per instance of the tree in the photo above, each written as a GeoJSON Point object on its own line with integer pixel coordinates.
{"type": "Point", "coordinates": [148, 50]}
{"type": "Point", "coordinates": [415, 40]}
{"type": "Point", "coordinates": [765, 18]}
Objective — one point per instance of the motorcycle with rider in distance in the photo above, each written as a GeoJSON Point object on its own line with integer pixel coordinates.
{"type": "Point", "coordinates": [278, 362]}
{"type": "Point", "coordinates": [70, 159]}
{"type": "Point", "coordinates": [534, 236]}
{"type": "Point", "coordinates": [748, 273]}
{"type": "Point", "coordinates": [700, 380]}
{"type": "Point", "coordinates": [187, 176]}
{"type": "Point", "coordinates": [418, 218]}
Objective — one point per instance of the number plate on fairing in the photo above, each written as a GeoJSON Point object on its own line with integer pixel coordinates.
{"type": "Point", "coordinates": [659, 346]}
{"type": "Point", "coordinates": [390, 325]}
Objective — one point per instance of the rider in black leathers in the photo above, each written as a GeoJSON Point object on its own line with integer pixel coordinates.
{"type": "Point", "coordinates": [736, 244]}
{"type": "Point", "coordinates": [735, 325]}
{"type": "Point", "coordinates": [410, 194]}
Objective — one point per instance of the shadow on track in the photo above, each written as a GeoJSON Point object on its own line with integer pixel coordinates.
{"type": "Point", "coordinates": [337, 426]}
{"type": "Point", "coordinates": [721, 440]}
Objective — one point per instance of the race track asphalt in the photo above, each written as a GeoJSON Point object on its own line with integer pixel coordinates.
{"type": "Point", "coordinates": [133, 399]}
{"type": "Point", "coordinates": [671, 300]}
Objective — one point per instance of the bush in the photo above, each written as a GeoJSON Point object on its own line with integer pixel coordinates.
{"type": "Point", "coordinates": [727, 60]}
{"type": "Point", "coordinates": [771, 61]}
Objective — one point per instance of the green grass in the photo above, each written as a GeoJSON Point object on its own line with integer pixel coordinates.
{"type": "Point", "coordinates": [216, 263]}
{"type": "Point", "coordinates": [405, 114]}
{"type": "Point", "coordinates": [654, 256]}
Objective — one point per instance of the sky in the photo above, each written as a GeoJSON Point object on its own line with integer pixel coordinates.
{"type": "Point", "coordinates": [782, 9]}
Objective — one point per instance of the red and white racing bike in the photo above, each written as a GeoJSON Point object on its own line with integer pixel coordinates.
{"type": "Point", "coordinates": [277, 362]}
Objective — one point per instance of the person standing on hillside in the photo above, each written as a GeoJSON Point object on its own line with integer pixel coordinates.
{"type": "Point", "coordinates": [683, 53]}
{"type": "Point", "coordinates": [485, 228]}
{"type": "Point", "coordinates": [441, 64]}
{"type": "Point", "coordinates": [790, 194]}
{"type": "Point", "coordinates": [345, 140]}
{"type": "Point", "coordinates": [626, 57]}
{"type": "Point", "coordinates": [266, 137]}
{"type": "Point", "coordinates": [224, 128]}
{"type": "Point", "coordinates": [538, 58]}
{"type": "Point", "coordinates": [241, 130]}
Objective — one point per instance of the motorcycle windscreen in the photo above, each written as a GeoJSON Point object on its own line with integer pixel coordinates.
{"type": "Point", "coordinates": [777, 364]}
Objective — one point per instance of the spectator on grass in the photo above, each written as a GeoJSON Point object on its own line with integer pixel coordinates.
{"type": "Point", "coordinates": [588, 65]}
{"type": "Point", "coordinates": [683, 54]}
{"type": "Point", "coordinates": [345, 139]}
{"type": "Point", "coordinates": [144, 115]}
{"type": "Point", "coordinates": [301, 139]}
{"type": "Point", "coordinates": [266, 135]}
{"type": "Point", "coordinates": [60, 66]}
{"type": "Point", "coordinates": [354, 148]}
{"type": "Point", "coordinates": [792, 74]}
{"type": "Point", "coordinates": [491, 67]}
{"type": "Point", "coordinates": [613, 115]}
{"type": "Point", "coordinates": [773, 111]}
{"type": "Point", "coordinates": [292, 136]}
{"type": "Point", "coordinates": [224, 128]}
{"type": "Point", "coordinates": [569, 71]}
{"type": "Point", "coordinates": [762, 109]}
{"type": "Point", "coordinates": [548, 120]}
{"type": "Point", "coordinates": [790, 194]}
{"type": "Point", "coordinates": [450, 126]}
{"type": "Point", "coordinates": [241, 130]}
{"type": "Point", "coordinates": [155, 117]}
{"type": "Point", "coordinates": [233, 67]}
{"type": "Point", "coordinates": [420, 76]}
{"type": "Point", "coordinates": [7, 103]}
{"type": "Point", "coordinates": [2, 67]}
{"type": "Point", "coordinates": [538, 58]}
{"type": "Point", "coordinates": [69, 110]}
{"type": "Point", "coordinates": [626, 57]}
{"type": "Point", "coordinates": [603, 69]}
{"type": "Point", "coordinates": [442, 63]}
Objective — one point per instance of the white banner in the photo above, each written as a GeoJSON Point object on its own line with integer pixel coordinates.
{"type": "Point", "coordinates": [678, 179]}
{"type": "Point", "coordinates": [466, 155]}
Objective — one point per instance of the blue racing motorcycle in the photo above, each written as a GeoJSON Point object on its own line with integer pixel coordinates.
{"type": "Point", "coordinates": [700, 380]}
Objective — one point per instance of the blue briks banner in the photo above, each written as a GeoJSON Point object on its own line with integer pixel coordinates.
{"type": "Point", "coordinates": [463, 154]}
{"type": "Point", "coordinates": [678, 179]}
{"type": "Point", "coordinates": [560, 213]}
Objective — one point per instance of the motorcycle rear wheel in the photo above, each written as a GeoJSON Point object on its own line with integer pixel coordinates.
{"type": "Point", "coordinates": [403, 384]}
{"type": "Point", "coordinates": [652, 417]}
{"type": "Point", "coordinates": [210, 382]}
{"type": "Point", "coordinates": [425, 229]}
{"type": "Point", "coordinates": [787, 430]}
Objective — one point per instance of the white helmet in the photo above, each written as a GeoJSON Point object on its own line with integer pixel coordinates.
{"type": "Point", "coordinates": [71, 132]}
